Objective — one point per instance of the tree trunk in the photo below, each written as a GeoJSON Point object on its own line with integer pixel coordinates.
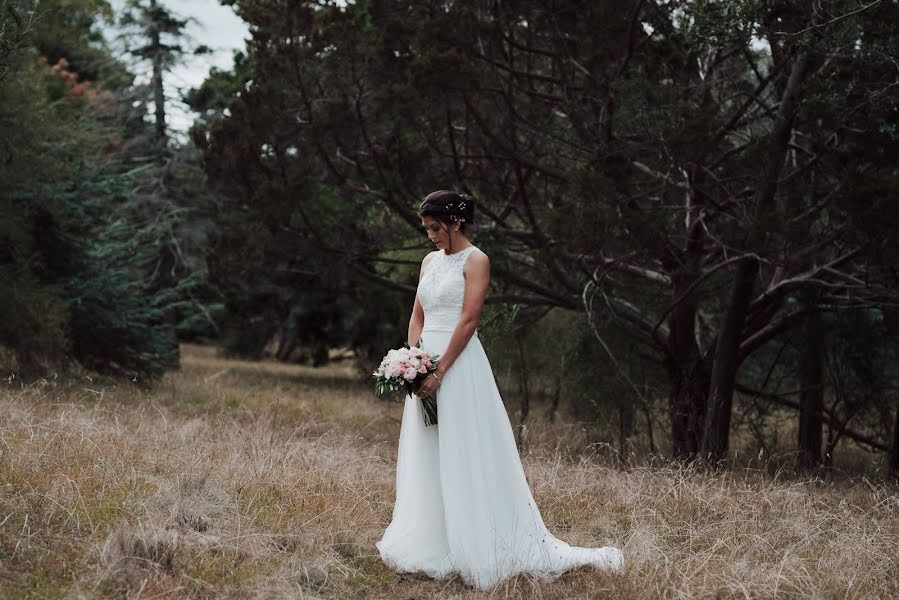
{"type": "Point", "coordinates": [726, 354]}
{"type": "Point", "coordinates": [525, 392]}
{"type": "Point", "coordinates": [894, 452]}
{"type": "Point", "coordinates": [811, 399]}
{"type": "Point", "coordinates": [286, 345]}
{"type": "Point", "coordinates": [625, 427]}
{"type": "Point", "coordinates": [29, 367]}
{"type": "Point", "coordinates": [319, 355]}
{"type": "Point", "coordinates": [687, 398]}
{"type": "Point", "coordinates": [727, 361]}
{"type": "Point", "coordinates": [557, 397]}
{"type": "Point", "coordinates": [687, 373]}
{"type": "Point", "coordinates": [156, 84]}
{"type": "Point", "coordinates": [891, 320]}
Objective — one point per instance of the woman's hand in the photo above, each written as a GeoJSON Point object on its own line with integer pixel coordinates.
{"type": "Point", "coordinates": [430, 384]}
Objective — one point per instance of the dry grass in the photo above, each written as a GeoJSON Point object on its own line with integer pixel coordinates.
{"type": "Point", "coordinates": [250, 480]}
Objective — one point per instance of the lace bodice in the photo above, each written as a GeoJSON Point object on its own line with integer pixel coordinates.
{"type": "Point", "coordinates": [441, 290]}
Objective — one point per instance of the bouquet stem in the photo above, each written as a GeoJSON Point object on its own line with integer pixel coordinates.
{"type": "Point", "coordinates": [429, 410]}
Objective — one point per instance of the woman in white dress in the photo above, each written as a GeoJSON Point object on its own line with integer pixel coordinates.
{"type": "Point", "coordinates": [463, 503]}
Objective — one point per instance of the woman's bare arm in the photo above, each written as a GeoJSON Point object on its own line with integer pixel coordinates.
{"type": "Point", "coordinates": [417, 320]}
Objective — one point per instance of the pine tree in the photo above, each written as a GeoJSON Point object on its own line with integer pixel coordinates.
{"type": "Point", "coordinates": [72, 256]}
{"type": "Point", "coordinates": [174, 190]}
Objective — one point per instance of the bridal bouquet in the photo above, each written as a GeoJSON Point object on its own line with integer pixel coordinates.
{"type": "Point", "coordinates": [405, 368]}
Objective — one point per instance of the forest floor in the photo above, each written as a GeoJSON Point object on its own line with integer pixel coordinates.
{"type": "Point", "coordinates": [235, 479]}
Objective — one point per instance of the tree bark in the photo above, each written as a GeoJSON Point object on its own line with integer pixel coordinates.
{"type": "Point", "coordinates": [525, 391]}
{"type": "Point", "coordinates": [29, 366]}
{"type": "Point", "coordinates": [894, 451]}
{"type": "Point", "coordinates": [687, 398]}
{"type": "Point", "coordinates": [556, 397]}
{"type": "Point", "coordinates": [286, 345]}
{"type": "Point", "coordinates": [891, 320]}
{"type": "Point", "coordinates": [727, 360]}
{"type": "Point", "coordinates": [687, 372]}
{"type": "Point", "coordinates": [156, 84]}
{"type": "Point", "coordinates": [625, 426]}
{"type": "Point", "coordinates": [811, 400]}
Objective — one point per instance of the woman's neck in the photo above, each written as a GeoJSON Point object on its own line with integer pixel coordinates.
{"type": "Point", "coordinates": [458, 249]}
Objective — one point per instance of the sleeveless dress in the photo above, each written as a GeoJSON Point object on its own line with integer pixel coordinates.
{"type": "Point", "coordinates": [463, 503]}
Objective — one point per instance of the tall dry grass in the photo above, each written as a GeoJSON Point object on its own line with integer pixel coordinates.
{"type": "Point", "coordinates": [245, 480]}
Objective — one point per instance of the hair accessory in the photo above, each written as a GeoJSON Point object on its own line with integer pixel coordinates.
{"type": "Point", "coordinates": [453, 208]}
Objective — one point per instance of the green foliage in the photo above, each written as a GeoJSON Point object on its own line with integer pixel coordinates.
{"type": "Point", "coordinates": [16, 22]}
{"type": "Point", "coordinates": [116, 326]}
{"type": "Point", "coordinates": [71, 253]}
{"type": "Point", "coordinates": [146, 22]}
{"type": "Point", "coordinates": [72, 30]}
{"type": "Point", "coordinates": [215, 93]}
{"type": "Point", "coordinates": [622, 144]}
{"type": "Point", "coordinates": [174, 194]}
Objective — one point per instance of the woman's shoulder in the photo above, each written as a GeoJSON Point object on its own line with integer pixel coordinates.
{"type": "Point", "coordinates": [427, 259]}
{"type": "Point", "coordinates": [477, 261]}
{"type": "Point", "coordinates": [479, 255]}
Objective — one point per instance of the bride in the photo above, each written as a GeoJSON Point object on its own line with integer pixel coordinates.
{"type": "Point", "coordinates": [463, 504]}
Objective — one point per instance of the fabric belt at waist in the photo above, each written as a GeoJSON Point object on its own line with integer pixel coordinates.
{"type": "Point", "coordinates": [443, 328]}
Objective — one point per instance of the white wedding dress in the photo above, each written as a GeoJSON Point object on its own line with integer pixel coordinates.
{"type": "Point", "coordinates": [462, 501]}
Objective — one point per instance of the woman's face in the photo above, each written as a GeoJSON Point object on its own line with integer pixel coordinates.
{"type": "Point", "coordinates": [438, 233]}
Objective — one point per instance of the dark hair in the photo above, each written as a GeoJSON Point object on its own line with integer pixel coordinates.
{"type": "Point", "coordinates": [449, 207]}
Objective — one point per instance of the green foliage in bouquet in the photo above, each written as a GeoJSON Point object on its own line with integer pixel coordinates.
{"type": "Point", "coordinates": [386, 385]}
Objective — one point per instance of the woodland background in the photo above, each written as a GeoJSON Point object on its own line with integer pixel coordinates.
{"type": "Point", "coordinates": [691, 213]}
{"type": "Point", "coordinates": [690, 207]}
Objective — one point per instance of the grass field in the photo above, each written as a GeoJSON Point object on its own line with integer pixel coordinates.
{"type": "Point", "coordinates": [258, 480]}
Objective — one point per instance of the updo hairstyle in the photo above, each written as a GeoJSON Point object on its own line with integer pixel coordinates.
{"type": "Point", "coordinates": [448, 207]}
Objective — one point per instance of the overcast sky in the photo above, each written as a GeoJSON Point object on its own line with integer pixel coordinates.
{"type": "Point", "coordinates": [217, 27]}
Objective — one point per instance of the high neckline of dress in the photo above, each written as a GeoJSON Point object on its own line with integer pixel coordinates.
{"type": "Point", "coordinates": [465, 249]}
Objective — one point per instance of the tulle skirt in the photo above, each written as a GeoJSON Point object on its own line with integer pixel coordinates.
{"type": "Point", "coordinates": [463, 503]}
